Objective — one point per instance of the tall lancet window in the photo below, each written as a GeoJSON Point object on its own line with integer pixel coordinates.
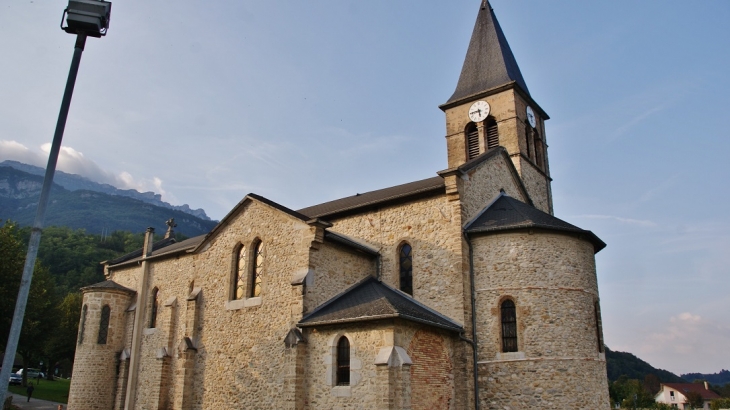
{"type": "Point", "coordinates": [492, 133]}
{"type": "Point", "coordinates": [539, 151]}
{"type": "Point", "coordinates": [154, 305]}
{"type": "Point", "coordinates": [103, 325]}
{"type": "Point", "coordinates": [405, 263]}
{"type": "Point", "coordinates": [472, 141]}
{"type": "Point", "coordinates": [257, 269]}
{"type": "Point", "coordinates": [509, 326]}
{"type": "Point", "coordinates": [239, 281]}
{"type": "Point", "coordinates": [343, 362]}
{"type": "Point", "coordinates": [528, 140]}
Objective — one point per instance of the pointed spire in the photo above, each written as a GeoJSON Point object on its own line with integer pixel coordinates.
{"type": "Point", "coordinates": [489, 62]}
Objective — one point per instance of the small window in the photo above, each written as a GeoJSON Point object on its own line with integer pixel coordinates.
{"type": "Point", "coordinates": [153, 308]}
{"type": "Point", "coordinates": [599, 326]}
{"type": "Point", "coordinates": [492, 133]}
{"type": "Point", "coordinates": [239, 280]}
{"type": "Point", "coordinates": [509, 326]}
{"type": "Point", "coordinates": [103, 325]}
{"type": "Point", "coordinates": [82, 328]}
{"type": "Point", "coordinates": [257, 269]}
{"type": "Point", "coordinates": [343, 362]}
{"type": "Point", "coordinates": [472, 141]}
{"type": "Point", "coordinates": [405, 264]}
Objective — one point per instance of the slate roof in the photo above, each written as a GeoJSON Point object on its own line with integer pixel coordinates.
{"type": "Point", "coordinates": [159, 248]}
{"type": "Point", "coordinates": [507, 213]}
{"type": "Point", "coordinates": [373, 300]}
{"type": "Point", "coordinates": [489, 61]}
{"type": "Point", "coordinates": [372, 198]}
{"type": "Point", "coordinates": [685, 388]}
{"type": "Point", "coordinates": [107, 284]}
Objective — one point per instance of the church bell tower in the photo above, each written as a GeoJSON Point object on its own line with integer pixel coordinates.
{"type": "Point", "coordinates": [492, 107]}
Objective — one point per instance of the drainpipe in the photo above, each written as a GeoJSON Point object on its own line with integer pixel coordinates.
{"type": "Point", "coordinates": [139, 318]}
{"type": "Point", "coordinates": [473, 342]}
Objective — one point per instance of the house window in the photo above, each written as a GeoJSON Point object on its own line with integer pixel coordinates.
{"type": "Point", "coordinates": [239, 274]}
{"type": "Point", "coordinates": [472, 141]}
{"type": "Point", "coordinates": [599, 326]}
{"type": "Point", "coordinates": [671, 395]}
{"type": "Point", "coordinates": [257, 269]}
{"type": "Point", "coordinates": [492, 133]}
{"type": "Point", "coordinates": [84, 311]}
{"type": "Point", "coordinates": [509, 326]}
{"type": "Point", "coordinates": [343, 362]}
{"type": "Point", "coordinates": [103, 325]}
{"type": "Point", "coordinates": [153, 309]}
{"type": "Point", "coordinates": [405, 258]}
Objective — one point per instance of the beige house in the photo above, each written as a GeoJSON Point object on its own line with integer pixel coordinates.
{"type": "Point", "coordinates": [675, 394]}
{"type": "Point", "coordinates": [454, 292]}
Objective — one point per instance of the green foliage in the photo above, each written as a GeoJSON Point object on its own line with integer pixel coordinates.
{"type": "Point", "coordinates": [622, 363]}
{"type": "Point", "coordinates": [720, 404]}
{"type": "Point", "coordinates": [12, 259]}
{"type": "Point", "coordinates": [73, 256]}
{"type": "Point", "coordinates": [694, 400]}
{"type": "Point", "coordinates": [719, 378]}
{"type": "Point", "coordinates": [630, 393]}
{"type": "Point", "coordinates": [723, 391]}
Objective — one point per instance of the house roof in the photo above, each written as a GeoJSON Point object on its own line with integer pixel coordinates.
{"type": "Point", "coordinates": [433, 185]}
{"type": "Point", "coordinates": [507, 213]}
{"type": "Point", "coordinates": [489, 62]}
{"type": "Point", "coordinates": [160, 248]}
{"type": "Point", "coordinates": [106, 285]}
{"type": "Point", "coordinates": [695, 387]}
{"type": "Point", "coordinates": [373, 300]}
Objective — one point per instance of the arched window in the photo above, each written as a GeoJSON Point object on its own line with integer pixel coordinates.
{"type": "Point", "coordinates": [509, 326]}
{"type": "Point", "coordinates": [82, 328]}
{"type": "Point", "coordinates": [153, 308]}
{"type": "Point", "coordinates": [405, 264]}
{"type": "Point", "coordinates": [103, 325]}
{"type": "Point", "coordinates": [239, 275]}
{"type": "Point", "coordinates": [599, 326]}
{"type": "Point", "coordinates": [528, 142]}
{"type": "Point", "coordinates": [539, 151]}
{"type": "Point", "coordinates": [492, 133]}
{"type": "Point", "coordinates": [257, 269]}
{"type": "Point", "coordinates": [343, 362]}
{"type": "Point", "coordinates": [472, 141]}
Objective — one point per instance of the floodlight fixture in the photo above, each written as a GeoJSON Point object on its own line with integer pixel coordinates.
{"type": "Point", "coordinates": [89, 17]}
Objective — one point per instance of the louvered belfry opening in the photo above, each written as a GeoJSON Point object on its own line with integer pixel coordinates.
{"type": "Point", "coordinates": [472, 141]}
{"type": "Point", "coordinates": [343, 362]}
{"type": "Point", "coordinates": [492, 133]}
{"type": "Point", "coordinates": [509, 326]}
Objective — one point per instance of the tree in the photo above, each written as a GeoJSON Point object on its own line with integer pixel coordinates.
{"type": "Point", "coordinates": [11, 268]}
{"type": "Point", "coordinates": [694, 400]}
{"type": "Point", "coordinates": [61, 345]}
{"type": "Point", "coordinates": [720, 404]}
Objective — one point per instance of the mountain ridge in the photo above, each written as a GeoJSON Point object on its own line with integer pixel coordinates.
{"type": "Point", "coordinates": [74, 182]}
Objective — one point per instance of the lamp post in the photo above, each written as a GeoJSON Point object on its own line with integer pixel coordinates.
{"type": "Point", "coordinates": [83, 18]}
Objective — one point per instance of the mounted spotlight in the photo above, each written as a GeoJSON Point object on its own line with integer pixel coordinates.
{"type": "Point", "coordinates": [89, 17]}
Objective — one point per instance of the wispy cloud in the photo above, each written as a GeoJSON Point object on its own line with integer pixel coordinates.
{"type": "Point", "coordinates": [629, 221]}
{"type": "Point", "coordinates": [623, 129]}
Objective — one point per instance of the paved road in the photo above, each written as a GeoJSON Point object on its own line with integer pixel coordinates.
{"type": "Point", "coordinates": [34, 404]}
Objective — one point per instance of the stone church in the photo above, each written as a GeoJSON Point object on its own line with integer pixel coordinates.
{"type": "Point", "coordinates": [458, 291]}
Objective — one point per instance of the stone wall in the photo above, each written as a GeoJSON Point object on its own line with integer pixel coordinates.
{"type": "Point", "coordinates": [332, 269]}
{"type": "Point", "coordinates": [93, 385]}
{"type": "Point", "coordinates": [432, 227]}
{"type": "Point", "coordinates": [483, 183]}
{"type": "Point", "coordinates": [536, 183]}
{"type": "Point", "coordinates": [552, 280]}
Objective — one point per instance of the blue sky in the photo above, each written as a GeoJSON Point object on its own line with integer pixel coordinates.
{"type": "Point", "coordinates": [303, 102]}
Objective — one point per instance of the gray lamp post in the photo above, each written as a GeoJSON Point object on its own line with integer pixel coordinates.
{"type": "Point", "coordinates": [83, 18]}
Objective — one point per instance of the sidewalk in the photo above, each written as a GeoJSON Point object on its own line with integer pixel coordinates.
{"type": "Point", "coordinates": [34, 404]}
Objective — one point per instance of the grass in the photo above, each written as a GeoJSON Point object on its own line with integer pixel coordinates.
{"type": "Point", "coordinates": [56, 390]}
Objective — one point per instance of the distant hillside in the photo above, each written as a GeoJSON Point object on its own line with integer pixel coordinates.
{"type": "Point", "coordinates": [76, 183]}
{"type": "Point", "coordinates": [623, 363]}
{"type": "Point", "coordinates": [723, 377]}
{"type": "Point", "coordinates": [95, 212]}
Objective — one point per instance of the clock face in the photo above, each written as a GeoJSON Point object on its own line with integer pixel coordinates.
{"type": "Point", "coordinates": [531, 117]}
{"type": "Point", "coordinates": [479, 111]}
